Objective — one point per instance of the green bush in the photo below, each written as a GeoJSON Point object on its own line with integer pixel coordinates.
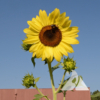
{"type": "Point", "coordinates": [95, 95]}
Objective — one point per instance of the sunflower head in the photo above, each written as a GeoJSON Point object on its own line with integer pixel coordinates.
{"type": "Point", "coordinates": [50, 36]}
{"type": "Point", "coordinates": [69, 64]}
{"type": "Point", "coordinates": [28, 80]}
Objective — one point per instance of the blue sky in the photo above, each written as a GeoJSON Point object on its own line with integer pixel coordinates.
{"type": "Point", "coordinates": [15, 62]}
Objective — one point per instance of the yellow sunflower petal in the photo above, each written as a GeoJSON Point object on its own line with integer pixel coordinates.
{"type": "Point", "coordinates": [70, 40]}
{"type": "Point", "coordinates": [37, 22]}
{"type": "Point", "coordinates": [63, 50]}
{"type": "Point", "coordinates": [57, 54]}
{"type": "Point", "coordinates": [63, 23]}
{"type": "Point", "coordinates": [43, 17]}
{"type": "Point", "coordinates": [67, 46]}
{"type": "Point", "coordinates": [33, 26]}
{"type": "Point", "coordinates": [40, 50]}
{"type": "Point", "coordinates": [60, 19]}
{"type": "Point", "coordinates": [53, 15]}
{"type": "Point", "coordinates": [31, 40]}
{"type": "Point", "coordinates": [29, 32]}
{"type": "Point", "coordinates": [71, 32]}
{"type": "Point", "coordinates": [50, 51]}
{"type": "Point", "coordinates": [34, 53]}
{"type": "Point", "coordinates": [45, 53]}
{"type": "Point", "coordinates": [33, 48]}
{"type": "Point", "coordinates": [74, 35]}
{"type": "Point", "coordinates": [66, 26]}
{"type": "Point", "coordinates": [73, 29]}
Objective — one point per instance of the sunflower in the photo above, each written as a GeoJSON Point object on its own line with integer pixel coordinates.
{"type": "Point", "coordinates": [51, 36]}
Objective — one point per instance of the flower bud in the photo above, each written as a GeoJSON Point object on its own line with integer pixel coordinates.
{"type": "Point", "coordinates": [69, 64]}
{"type": "Point", "coordinates": [28, 80]}
{"type": "Point", "coordinates": [26, 46]}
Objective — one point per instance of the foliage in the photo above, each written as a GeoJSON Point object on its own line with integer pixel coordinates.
{"type": "Point", "coordinates": [32, 59]}
{"type": "Point", "coordinates": [38, 96]}
{"type": "Point", "coordinates": [55, 67]}
{"type": "Point", "coordinates": [95, 95]}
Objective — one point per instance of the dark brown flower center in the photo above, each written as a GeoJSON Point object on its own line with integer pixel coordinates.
{"type": "Point", "coordinates": [50, 35]}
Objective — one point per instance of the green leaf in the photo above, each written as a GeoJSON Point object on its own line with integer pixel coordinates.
{"type": "Point", "coordinates": [74, 80]}
{"type": "Point", "coordinates": [55, 67]}
{"type": "Point", "coordinates": [38, 96]}
{"type": "Point", "coordinates": [37, 79]}
{"type": "Point", "coordinates": [32, 59]}
{"type": "Point", "coordinates": [36, 99]}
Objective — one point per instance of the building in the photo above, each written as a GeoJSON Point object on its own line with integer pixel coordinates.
{"type": "Point", "coordinates": [28, 94]}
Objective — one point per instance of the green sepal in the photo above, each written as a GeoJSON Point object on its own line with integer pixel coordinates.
{"type": "Point", "coordinates": [46, 61]}
{"type": "Point", "coordinates": [32, 59]}
{"type": "Point", "coordinates": [37, 79]}
{"type": "Point", "coordinates": [55, 67]}
{"type": "Point", "coordinates": [34, 85]}
{"type": "Point", "coordinates": [26, 46]}
{"type": "Point", "coordinates": [60, 91]}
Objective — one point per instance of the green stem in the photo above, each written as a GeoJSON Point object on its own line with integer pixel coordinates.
{"type": "Point", "coordinates": [41, 93]}
{"type": "Point", "coordinates": [64, 93]}
{"type": "Point", "coordinates": [52, 81]}
{"type": "Point", "coordinates": [63, 98]}
{"type": "Point", "coordinates": [61, 82]}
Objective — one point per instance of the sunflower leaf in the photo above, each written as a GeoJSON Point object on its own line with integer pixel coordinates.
{"type": "Point", "coordinates": [37, 79]}
{"type": "Point", "coordinates": [32, 59]}
{"type": "Point", "coordinates": [38, 96]}
{"type": "Point", "coordinates": [55, 67]}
